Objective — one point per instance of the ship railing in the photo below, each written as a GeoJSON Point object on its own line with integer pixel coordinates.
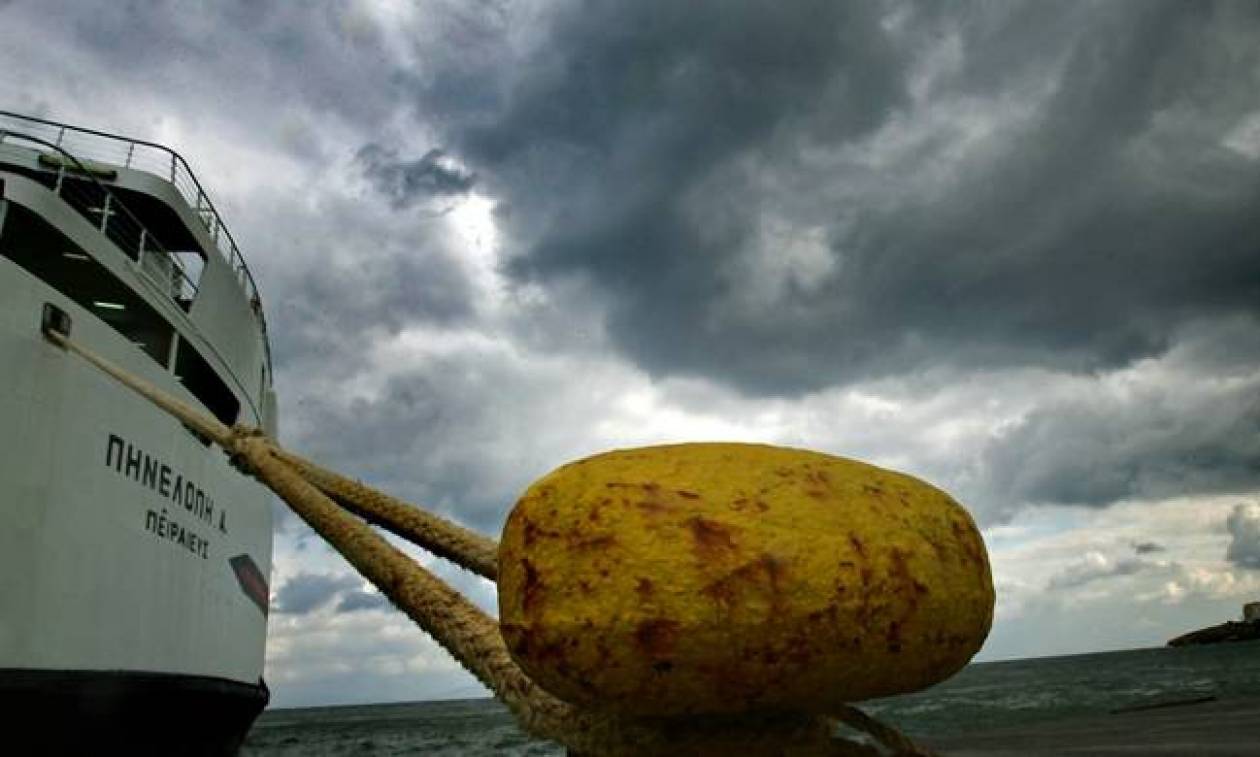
{"type": "Point", "coordinates": [102, 208]}
{"type": "Point", "coordinates": [155, 159]}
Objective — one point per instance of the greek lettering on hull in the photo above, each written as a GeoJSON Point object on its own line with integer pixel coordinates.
{"type": "Point", "coordinates": [151, 472]}
{"type": "Point", "coordinates": [160, 524]}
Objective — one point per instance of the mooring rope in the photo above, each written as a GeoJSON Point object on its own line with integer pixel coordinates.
{"type": "Point", "coordinates": [465, 548]}
{"type": "Point", "coordinates": [321, 498]}
{"type": "Point", "coordinates": [890, 738]}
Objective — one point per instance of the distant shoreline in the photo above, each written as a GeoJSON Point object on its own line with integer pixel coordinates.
{"type": "Point", "coordinates": [1228, 632]}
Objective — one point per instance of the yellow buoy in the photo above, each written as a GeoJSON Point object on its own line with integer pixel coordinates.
{"type": "Point", "coordinates": [711, 578]}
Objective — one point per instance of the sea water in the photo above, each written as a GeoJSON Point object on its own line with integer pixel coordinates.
{"type": "Point", "coordinates": [981, 696]}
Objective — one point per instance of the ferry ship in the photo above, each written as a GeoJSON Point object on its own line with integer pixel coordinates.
{"type": "Point", "coordinates": [135, 559]}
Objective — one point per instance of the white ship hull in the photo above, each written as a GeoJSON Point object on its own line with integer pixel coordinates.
{"type": "Point", "coordinates": [95, 581]}
{"type": "Point", "coordinates": [135, 558]}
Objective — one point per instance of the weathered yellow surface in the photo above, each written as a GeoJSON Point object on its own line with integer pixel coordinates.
{"type": "Point", "coordinates": [707, 578]}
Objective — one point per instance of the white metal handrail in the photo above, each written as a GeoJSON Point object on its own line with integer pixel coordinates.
{"type": "Point", "coordinates": [154, 159]}
{"type": "Point", "coordinates": [115, 221]}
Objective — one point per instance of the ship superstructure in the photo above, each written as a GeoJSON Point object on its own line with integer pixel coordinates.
{"type": "Point", "coordinates": [135, 558]}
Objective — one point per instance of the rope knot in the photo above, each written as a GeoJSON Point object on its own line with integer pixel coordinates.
{"type": "Point", "coordinates": [241, 446]}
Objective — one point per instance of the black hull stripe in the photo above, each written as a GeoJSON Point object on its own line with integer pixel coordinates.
{"type": "Point", "coordinates": [125, 712]}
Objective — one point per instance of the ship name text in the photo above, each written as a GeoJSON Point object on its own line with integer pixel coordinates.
{"type": "Point", "coordinates": [130, 461]}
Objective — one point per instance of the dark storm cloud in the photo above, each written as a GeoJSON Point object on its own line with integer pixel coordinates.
{"type": "Point", "coordinates": [386, 290]}
{"type": "Point", "coordinates": [407, 182]}
{"type": "Point", "coordinates": [328, 310]}
{"type": "Point", "coordinates": [630, 107]}
{"type": "Point", "coordinates": [1192, 435]}
{"type": "Point", "coordinates": [306, 592]}
{"type": "Point", "coordinates": [253, 59]}
{"type": "Point", "coordinates": [433, 437]}
{"type": "Point", "coordinates": [642, 146]}
{"type": "Point", "coordinates": [1244, 531]}
{"type": "Point", "coordinates": [330, 314]}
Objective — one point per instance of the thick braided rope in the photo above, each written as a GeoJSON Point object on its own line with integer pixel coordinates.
{"type": "Point", "coordinates": [889, 737]}
{"type": "Point", "coordinates": [465, 631]}
{"type": "Point", "coordinates": [203, 424]}
{"type": "Point", "coordinates": [465, 548]}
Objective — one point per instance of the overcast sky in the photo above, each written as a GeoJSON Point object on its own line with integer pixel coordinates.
{"type": "Point", "coordinates": [1013, 249]}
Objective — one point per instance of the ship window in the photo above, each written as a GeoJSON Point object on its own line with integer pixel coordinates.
{"type": "Point", "coordinates": [177, 269]}
{"type": "Point", "coordinates": [46, 253]}
{"type": "Point", "coordinates": [49, 255]}
{"type": "Point", "coordinates": [200, 379]}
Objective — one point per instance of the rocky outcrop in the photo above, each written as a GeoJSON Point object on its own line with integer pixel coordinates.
{"type": "Point", "coordinates": [1231, 631]}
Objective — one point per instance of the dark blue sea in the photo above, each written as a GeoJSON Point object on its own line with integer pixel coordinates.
{"type": "Point", "coordinates": [980, 697]}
